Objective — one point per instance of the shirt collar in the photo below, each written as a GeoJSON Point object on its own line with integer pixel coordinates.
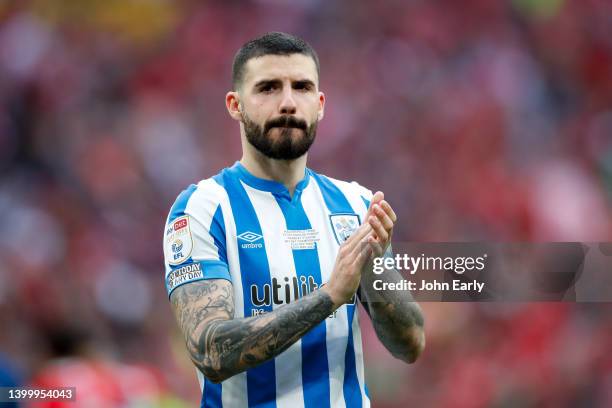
{"type": "Point", "coordinates": [268, 185]}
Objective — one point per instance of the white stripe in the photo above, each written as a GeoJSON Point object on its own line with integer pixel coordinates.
{"type": "Point", "coordinates": [358, 346]}
{"type": "Point", "coordinates": [201, 208]}
{"type": "Point", "coordinates": [336, 328]}
{"type": "Point", "coordinates": [289, 390]}
{"type": "Point", "coordinates": [234, 389]}
{"type": "Point", "coordinates": [364, 192]}
{"type": "Point", "coordinates": [201, 380]}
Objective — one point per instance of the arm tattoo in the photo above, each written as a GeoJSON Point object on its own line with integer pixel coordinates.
{"type": "Point", "coordinates": [396, 317]}
{"type": "Point", "coordinates": [221, 346]}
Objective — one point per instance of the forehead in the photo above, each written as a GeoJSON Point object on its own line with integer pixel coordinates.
{"type": "Point", "coordinates": [267, 67]}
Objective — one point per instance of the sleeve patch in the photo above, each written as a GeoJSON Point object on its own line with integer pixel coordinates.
{"type": "Point", "coordinates": [196, 271]}
{"type": "Point", "coordinates": [178, 242]}
{"type": "Point", "coordinates": [184, 274]}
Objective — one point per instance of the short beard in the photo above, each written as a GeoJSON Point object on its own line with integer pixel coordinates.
{"type": "Point", "coordinates": [285, 148]}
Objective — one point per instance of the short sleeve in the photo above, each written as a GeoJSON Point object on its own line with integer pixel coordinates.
{"type": "Point", "coordinates": [194, 240]}
{"type": "Point", "coordinates": [364, 193]}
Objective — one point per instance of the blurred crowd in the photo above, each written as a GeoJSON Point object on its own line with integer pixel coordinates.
{"type": "Point", "coordinates": [480, 120]}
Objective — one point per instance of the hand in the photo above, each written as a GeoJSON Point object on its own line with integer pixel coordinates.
{"type": "Point", "coordinates": [381, 218]}
{"type": "Point", "coordinates": [354, 253]}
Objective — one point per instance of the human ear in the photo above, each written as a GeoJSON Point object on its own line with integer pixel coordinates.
{"type": "Point", "coordinates": [321, 111]}
{"type": "Point", "coordinates": [232, 103]}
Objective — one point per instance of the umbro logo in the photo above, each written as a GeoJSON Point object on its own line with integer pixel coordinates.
{"type": "Point", "coordinates": [251, 238]}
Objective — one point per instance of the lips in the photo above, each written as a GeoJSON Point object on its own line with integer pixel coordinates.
{"type": "Point", "coordinates": [286, 122]}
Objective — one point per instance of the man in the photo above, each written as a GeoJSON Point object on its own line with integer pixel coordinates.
{"type": "Point", "coordinates": [264, 260]}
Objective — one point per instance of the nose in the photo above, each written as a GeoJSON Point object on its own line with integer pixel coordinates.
{"type": "Point", "coordinates": [287, 104]}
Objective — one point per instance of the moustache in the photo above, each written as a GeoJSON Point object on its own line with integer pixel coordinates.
{"type": "Point", "coordinates": [285, 121]}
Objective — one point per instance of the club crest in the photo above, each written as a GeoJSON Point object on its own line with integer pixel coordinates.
{"type": "Point", "coordinates": [344, 225]}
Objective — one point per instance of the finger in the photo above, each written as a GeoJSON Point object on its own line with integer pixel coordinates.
{"type": "Point", "coordinates": [382, 216]}
{"type": "Point", "coordinates": [364, 254]}
{"type": "Point", "coordinates": [377, 249]}
{"type": "Point", "coordinates": [376, 199]}
{"type": "Point", "coordinates": [379, 229]}
{"type": "Point", "coordinates": [358, 245]}
{"type": "Point", "coordinates": [362, 245]}
{"type": "Point", "coordinates": [357, 236]}
{"type": "Point", "coordinates": [389, 210]}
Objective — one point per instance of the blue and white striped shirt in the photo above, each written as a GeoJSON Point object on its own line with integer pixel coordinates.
{"type": "Point", "coordinates": [274, 248]}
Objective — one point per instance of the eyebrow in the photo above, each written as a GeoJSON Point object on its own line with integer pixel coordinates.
{"type": "Point", "coordinates": [267, 82]}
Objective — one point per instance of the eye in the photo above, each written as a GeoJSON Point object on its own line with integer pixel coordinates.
{"type": "Point", "coordinates": [302, 86]}
{"type": "Point", "coordinates": [267, 88]}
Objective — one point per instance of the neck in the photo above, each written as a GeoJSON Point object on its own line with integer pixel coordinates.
{"type": "Point", "coordinates": [287, 172]}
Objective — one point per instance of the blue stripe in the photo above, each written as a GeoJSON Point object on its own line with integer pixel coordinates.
{"type": "Point", "coordinates": [336, 202]}
{"type": "Point", "coordinates": [178, 208]}
{"type": "Point", "coordinates": [315, 367]}
{"type": "Point", "coordinates": [217, 231]}
{"type": "Point", "coordinates": [211, 396]}
{"type": "Point", "coordinates": [255, 271]}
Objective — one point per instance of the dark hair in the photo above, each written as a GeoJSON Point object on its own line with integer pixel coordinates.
{"type": "Point", "coordinates": [274, 43]}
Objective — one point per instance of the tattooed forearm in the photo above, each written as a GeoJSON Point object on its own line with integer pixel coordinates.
{"type": "Point", "coordinates": [222, 346]}
{"type": "Point", "coordinates": [396, 317]}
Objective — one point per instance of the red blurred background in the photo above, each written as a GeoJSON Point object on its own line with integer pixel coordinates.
{"type": "Point", "coordinates": [480, 120]}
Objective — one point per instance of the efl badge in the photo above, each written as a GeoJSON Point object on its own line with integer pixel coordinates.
{"type": "Point", "coordinates": [344, 225]}
{"type": "Point", "coordinates": [177, 242]}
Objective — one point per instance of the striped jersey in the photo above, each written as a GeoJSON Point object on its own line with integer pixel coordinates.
{"type": "Point", "coordinates": [274, 248]}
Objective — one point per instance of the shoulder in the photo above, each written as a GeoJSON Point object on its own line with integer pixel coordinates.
{"type": "Point", "coordinates": [347, 187]}
{"type": "Point", "coordinates": [356, 194]}
{"type": "Point", "coordinates": [202, 197]}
